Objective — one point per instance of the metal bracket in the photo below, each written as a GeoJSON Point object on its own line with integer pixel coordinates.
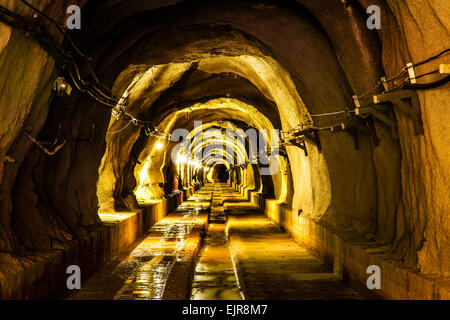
{"type": "Point", "coordinates": [385, 84]}
{"type": "Point", "coordinates": [311, 135]}
{"type": "Point", "coordinates": [301, 144]}
{"type": "Point", "coordinates": [397, 99]}
{"type": "Point", "coordinates": [357, 104]}
{"type": "Point", "coordinates": [382, 112]}
{"type": "Point", "coordinates": [282, 152]}
{"type": "Point", "coordinates": [370, 127]}
{"type": "Point", "coordinates": [353, 131]}
{"type": "Point", "coordinates": [90, 140]}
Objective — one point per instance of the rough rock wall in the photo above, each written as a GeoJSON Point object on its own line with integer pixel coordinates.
{"type": "Point", "coordinates": [345, 24]}
{"type": "Point", "coordinates": [66, 202]}
{"type": "Point", "coordinates": [424, 27]}
{"type": "Point", "coordinates": [26, 81]}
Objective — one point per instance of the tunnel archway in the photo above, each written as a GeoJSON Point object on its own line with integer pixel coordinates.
{"type": "Point", "coordinates": [284, 66]}
{"type": "Point", "coordinates": [221, 173]}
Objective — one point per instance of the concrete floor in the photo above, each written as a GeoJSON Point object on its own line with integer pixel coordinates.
{"type": "Point", "coordinates": [215, 277]}
{"type": "Point", "coordinates": [244, 256]}
{"type": "Point", "coordinates": [272, 266]}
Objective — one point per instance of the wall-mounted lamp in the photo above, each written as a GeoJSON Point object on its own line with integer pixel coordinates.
{"type": "Point", "coordinates": [159, 145]}
{"type": "Point", "coordinates": [62, 87]}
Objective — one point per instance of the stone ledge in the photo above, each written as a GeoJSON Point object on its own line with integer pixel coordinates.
{"type": "Point", "coordinates": [44, 275]}
{"type": "Point", "coordinates": [123, 228]}
{"type": "Point", "coordinates": [351, 260]}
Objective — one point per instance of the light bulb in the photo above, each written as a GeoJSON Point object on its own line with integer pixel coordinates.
{"type": "Point", "coordinates": [159, 145]}
{"type": "Point", "coordinates": [181, 159]}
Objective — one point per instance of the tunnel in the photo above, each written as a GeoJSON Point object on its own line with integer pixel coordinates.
{"type": "Point", "coordinates": [224, 150]}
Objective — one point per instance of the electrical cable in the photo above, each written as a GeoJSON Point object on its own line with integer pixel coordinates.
{"type": "Point", "coordinates": [396, 76]}
{"type": "Point", "coordinates": [120, 130]}
{"type": "Point", "coordinates": [405, 69]}
{"type": "Point", "coordinates": [328, 114]}
{"type": "Point", "coordinates": [50, 44]}
{"type": "Point", "coordinates": [431, 58]}
{"type": "Point", "coordinates": [370, 90]}
{"type": "Point", "coordinates": [423, 86]}
{"type": "Point", "coordinates": [40, 12]}
{"type": "Point", "coordinates": [93, 90]}
{"type": "Point", "coordinates": [425, 74]}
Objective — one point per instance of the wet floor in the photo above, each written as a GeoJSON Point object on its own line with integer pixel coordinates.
{"type": "Point", "coordinates": [142, 274]}
{"type": "Point", "coordinates": [215, 277]}
{"type": "Point", "coordinates": [148, 280]}
{"type": "Point", "coordinates": [244, 255]}
{"type": "Point", "coordinates": [271, 265]}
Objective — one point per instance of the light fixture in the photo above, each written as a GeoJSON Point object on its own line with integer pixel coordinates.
{"type": "Point", "coordinates": [159, 145]}
{"type": "Point", "coordinates": [181, 159]}
{"type": "Point", "coordinates": [62, 87]}
{"type": "Point", "coordinates": [198, 165]}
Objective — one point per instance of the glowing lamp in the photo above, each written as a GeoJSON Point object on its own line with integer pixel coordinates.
{"type": "Point", "coordinates": [62, 87]}
{"type": "Point", "coordinates": [159, 145]}
{"type": "Point", "coordinates": [181, 159]}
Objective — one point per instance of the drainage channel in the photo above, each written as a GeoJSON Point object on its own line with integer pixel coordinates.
{"type": "Point", "coordinates": [215, 276]}
{"type": "Point", "coordinates": [148, 280]}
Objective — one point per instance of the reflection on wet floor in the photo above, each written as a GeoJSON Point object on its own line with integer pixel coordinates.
{"type": "Point", "coordinates": [241, 246]}
{"type": "Point", "coordinates": [215, 277]}
{"type": "Point", "coordinates": [155, 262]}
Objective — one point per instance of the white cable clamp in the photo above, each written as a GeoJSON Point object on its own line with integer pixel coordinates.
{"type": "Point", "coordinates": [117, 113]}
{"type": "Point", "coordinates": [444, 68]}
{"type": "Point", "coordinates": [357, 104]}
{"type": "Point", "coordinates": [385, 84]}
{"type": "Point", "coordinates": [375, 99]}
{"type": "Point", "coordinates": [122, 102]}
{"type": "Point", "coordinates": [411, 72]}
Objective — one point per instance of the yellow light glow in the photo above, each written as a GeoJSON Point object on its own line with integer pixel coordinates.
{"type": "Point", "coordinates": [198, 165]}
{"type": "Point", "coordinates": [181, 159]}
{"type": "Point", "coordinates": [159, 145]}
{"type": "Point", "coordinates": [144, 172]}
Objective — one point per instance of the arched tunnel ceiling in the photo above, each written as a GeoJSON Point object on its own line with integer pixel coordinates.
{"type": "Point", "coordinates": [265, 22]}
{"type": "Point", "coordinates": [280, 59]}
{"type": "Point", "coordinates": [190, 34]}
{"type": "Point", "coordinates": [185, 55]}
{"type": "Point", "coordinates": [215, 110]}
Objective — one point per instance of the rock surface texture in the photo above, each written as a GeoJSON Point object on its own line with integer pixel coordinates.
{"type": "Point", "coordinates": [229, 64]}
